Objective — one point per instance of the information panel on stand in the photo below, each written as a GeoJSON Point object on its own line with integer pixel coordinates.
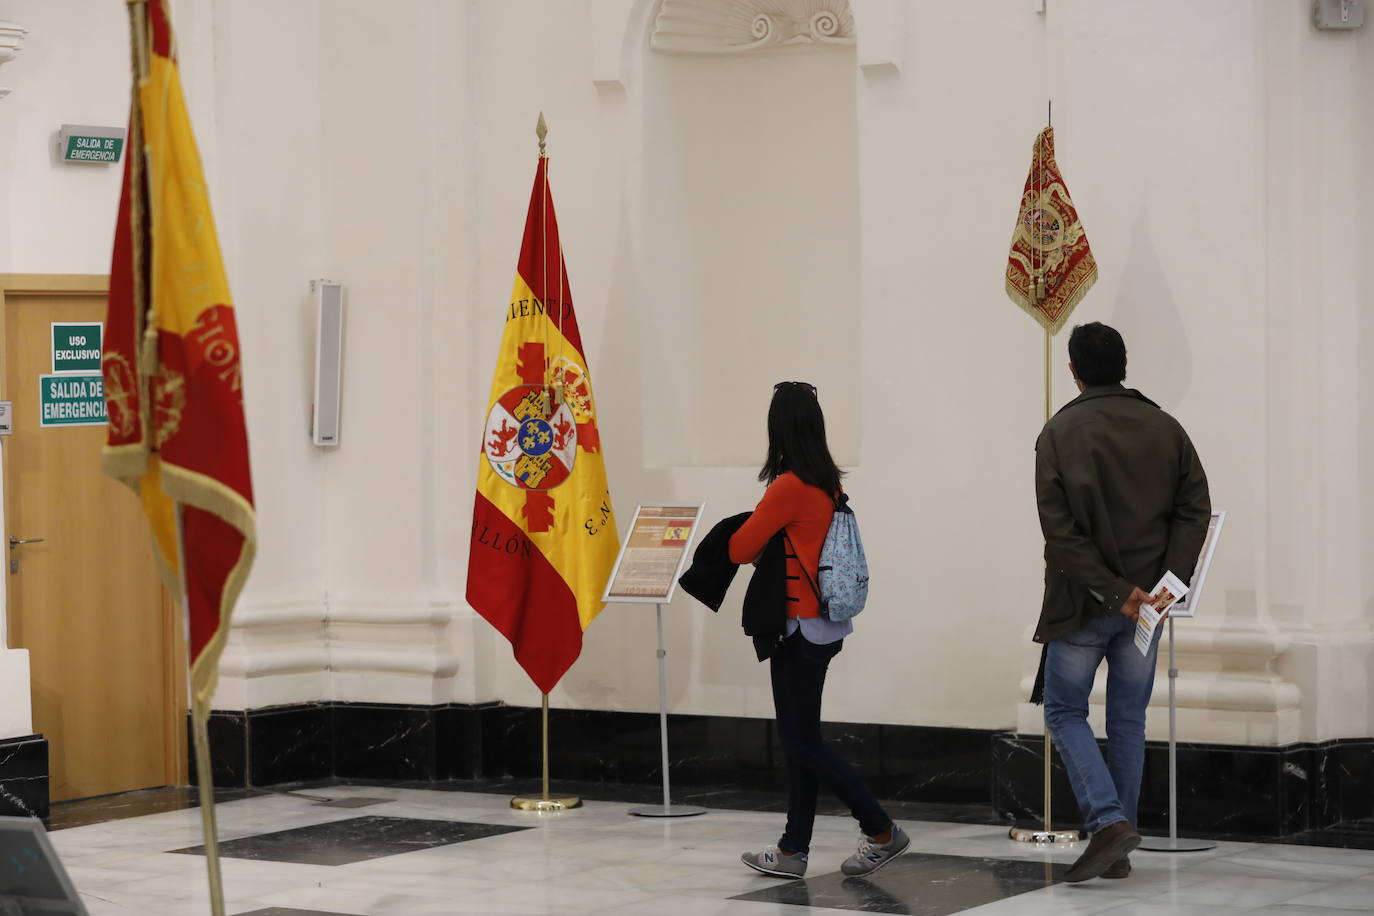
{"type": "Point", "coordinates": [654, 554]}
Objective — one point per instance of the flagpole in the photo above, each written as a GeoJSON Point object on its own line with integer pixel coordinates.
{"type": "Point", "coordinates": [206, 784]}
{"type": "Point", "coordinates": [147, 359]}
{"type": "Point", "coordinates": [1036, 289]}
{"type": "Point", "coordinates": [200, 716]}
{"type": "Point", "coordinates": [1049, 387]}
{"type": "Point", "coordinates": [544, 801]}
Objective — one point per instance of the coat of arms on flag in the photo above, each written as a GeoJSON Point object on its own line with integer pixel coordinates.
{"type": "Point", "coordinates": [543, 533]}
{"type": "Point", "coordinates": [1051, 266]}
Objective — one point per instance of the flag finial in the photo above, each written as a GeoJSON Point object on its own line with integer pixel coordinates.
{"type": "Point", "coordinates": [541, 130]}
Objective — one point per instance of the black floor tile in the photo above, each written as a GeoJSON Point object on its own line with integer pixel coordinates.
{"type": "Point", "coordinates": [917, 884]}
{"type": "Point", "coordinates": [357, 839]}
{"type": "Point", "coordinates": [357, 801]}
{"type": "Point", "coordinates": [83, 811]}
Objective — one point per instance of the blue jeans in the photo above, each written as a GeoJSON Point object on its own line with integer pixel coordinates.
{"type": "Point", "coordinates": [1108, 790]}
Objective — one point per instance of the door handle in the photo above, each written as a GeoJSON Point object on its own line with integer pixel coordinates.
{"type": "Point", "coordinates": [14, 557]}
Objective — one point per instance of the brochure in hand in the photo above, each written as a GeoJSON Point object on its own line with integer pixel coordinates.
{"type": "Point", "coordinates": [1162, 597]}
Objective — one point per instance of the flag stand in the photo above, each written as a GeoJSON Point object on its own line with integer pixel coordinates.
{"type": "Point", "coordinates": [1047, 834]}
{"type": "Point", "coordinates": [545, 801]}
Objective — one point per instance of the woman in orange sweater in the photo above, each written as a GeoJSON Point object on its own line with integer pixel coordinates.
{"type": "Point", "coordinates": [803, 486]}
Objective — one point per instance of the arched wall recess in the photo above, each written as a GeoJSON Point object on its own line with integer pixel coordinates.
{"type": "Point", "coordinates": [749, 216]}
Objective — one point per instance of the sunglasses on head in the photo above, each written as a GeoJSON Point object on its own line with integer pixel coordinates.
{"type": "Point", "coordinates": [807, 385]}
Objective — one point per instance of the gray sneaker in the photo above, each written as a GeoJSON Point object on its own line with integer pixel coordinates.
{"type": "Point", "coordinates": [872, 856]}
{"type": "Point", "coordinates": [773, 861]}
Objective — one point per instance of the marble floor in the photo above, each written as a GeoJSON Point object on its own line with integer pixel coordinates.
{"type": "Point", "coordinates": [372, 850]}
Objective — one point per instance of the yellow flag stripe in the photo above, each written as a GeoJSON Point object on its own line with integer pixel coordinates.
{"type": "Point", "coordinates": [188, 274]}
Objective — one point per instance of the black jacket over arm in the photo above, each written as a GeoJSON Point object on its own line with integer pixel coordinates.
{"type": "Point", "coordinates": [765, 601]}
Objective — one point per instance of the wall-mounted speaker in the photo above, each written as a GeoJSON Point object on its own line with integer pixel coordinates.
{"type": "Point", "coordinates": [329, 331]}
{"type": "Point", "coordinates": [1337, 14]}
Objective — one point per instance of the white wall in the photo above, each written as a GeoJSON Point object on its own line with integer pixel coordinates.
{"type": "Point", "coordinates": [1221, 185]}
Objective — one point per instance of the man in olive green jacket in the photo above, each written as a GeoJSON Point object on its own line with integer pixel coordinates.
{"type": "Point", "coordinates": [1122, 499]}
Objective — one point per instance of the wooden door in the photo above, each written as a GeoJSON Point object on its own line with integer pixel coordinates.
{"type": "Point", "coordinates": [86, 601]}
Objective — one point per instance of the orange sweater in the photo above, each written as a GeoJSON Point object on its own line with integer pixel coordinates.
{"type": "Point", "coordinates": [805, 511]}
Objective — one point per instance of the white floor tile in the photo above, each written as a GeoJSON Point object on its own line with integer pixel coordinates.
{"type": "Point", "coordinates": [600, 860]}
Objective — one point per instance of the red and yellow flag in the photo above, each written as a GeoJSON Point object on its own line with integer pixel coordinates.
{"type": "Point", "coordinates": [543, 533]}
{"type": "Point", "coordinates": [1051, 266]}
{"type": "Point", "coordinates": [173, 385]}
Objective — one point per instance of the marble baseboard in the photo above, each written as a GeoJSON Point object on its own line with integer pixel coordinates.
{"type": "Point", "coordinates": [1222, 789]}
{"type": "Point", "coordinates": [301, 743]}
{"type": "Point", "coordinates": [313, 741]}
{"type": "Point", "coordinates": [24, 776]}
{"type": "Point", "coordinates": [901, 762]}
{"type": "Point", "coordinates": [1226, 790]}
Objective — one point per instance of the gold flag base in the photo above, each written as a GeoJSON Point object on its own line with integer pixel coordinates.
{"type": "Point", "coordinates": [545, 803]}
{"type": "Point", "coordinates": [1037, 835]}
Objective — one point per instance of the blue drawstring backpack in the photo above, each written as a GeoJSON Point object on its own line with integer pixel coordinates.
{"type": "Point", "coordinates": [843, 571]}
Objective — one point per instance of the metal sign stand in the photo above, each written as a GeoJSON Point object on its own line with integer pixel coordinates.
{"type": "Point", "coordinates": [668, 809]}
{"type": "Point", "coordinates": [1189, 609]}
{"type": "Point", "coordinates": [1173, 843]}
{"type": "Point", "coordinates": [660, 590]}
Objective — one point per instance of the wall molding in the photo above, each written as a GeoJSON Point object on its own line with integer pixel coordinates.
{"type": "Point", "coordinates": [1230, 690]}
{"type": "Point", "coordinates": [741, 26]}
{"type": "Point", "coordinates": [307, 649]}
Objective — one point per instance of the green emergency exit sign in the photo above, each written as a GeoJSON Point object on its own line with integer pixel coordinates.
{"type": "Point", "coordinates": [77, 143]}
{"type": "Point", "coordinates": [71, 400]}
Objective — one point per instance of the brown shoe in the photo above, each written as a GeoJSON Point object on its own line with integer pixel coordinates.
{"type": "Point", "coordinates": [1121, 868]}
{"type": "Point", "coordinates": [1108, 846]}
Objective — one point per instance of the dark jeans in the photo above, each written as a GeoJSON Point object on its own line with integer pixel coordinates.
{"type": "Point", "coordinates": [798, 670]}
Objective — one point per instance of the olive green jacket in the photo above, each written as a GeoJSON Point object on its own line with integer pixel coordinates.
{"type": "Point", "coordinates": [1122, 498]}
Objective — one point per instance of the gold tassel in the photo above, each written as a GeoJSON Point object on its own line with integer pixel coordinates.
{"type": "Point", "coordinates": [148, 361]}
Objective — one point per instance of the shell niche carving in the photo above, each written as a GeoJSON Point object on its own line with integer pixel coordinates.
{"type": "Point", "coordinates": [734, 26]}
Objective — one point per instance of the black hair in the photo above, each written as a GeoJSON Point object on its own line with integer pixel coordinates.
{"type": "Point", "coordinates": [796, 439]}
{"type": "Point", "coordinates": [1098, 354]}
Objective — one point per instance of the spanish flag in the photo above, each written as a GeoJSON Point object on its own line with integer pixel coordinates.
{"type": "Point", "coordinates": [543, 533]}
{"type": "Point", "coordinates": [173, 384]}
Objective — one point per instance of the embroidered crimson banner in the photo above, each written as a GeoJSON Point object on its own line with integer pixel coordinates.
{"type": "Point", "coordinates": [173, 384]}
{"type": "Point", "coordinates": [1051, 266]}
{"type": "Point", "coordinates": [544, 538]}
